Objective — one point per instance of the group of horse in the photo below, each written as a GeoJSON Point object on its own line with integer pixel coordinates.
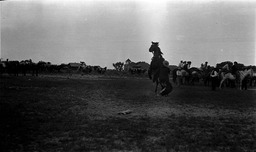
{"type": "Point", "coordinates": [138, 70]}
{"type": "Point", "coordinates": [26, 67]}
{"type": "Point", "coordinates": [238, 78]}
{"type": "Point", "coordinates": [189, 76]}
{"type": "Point", "coordinates": [193, 75]}
{"type": "Point", "coordinates": [196, 75]}
{"type": "Point", "coordinates": [23, 67]}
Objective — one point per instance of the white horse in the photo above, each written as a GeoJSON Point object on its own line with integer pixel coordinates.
{"type": "Point", "coordinates": [253, 79]}
{"type": "Point", "coordinates": [242, 75]}
{"type": "Point", "coordinates": [184, 76]}
{"type": "Point", "coordinates": [225, 74]}
{"type": "Point", "coordinates": [225, 77]}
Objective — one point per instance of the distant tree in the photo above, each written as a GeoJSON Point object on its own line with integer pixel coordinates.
{"type": "Point", "coordinates": [119, 66]}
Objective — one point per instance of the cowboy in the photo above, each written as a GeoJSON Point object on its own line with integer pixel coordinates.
{"type": "Point", "coordinates": [178, 73]}
{"type": "Point", "coordinates": [164, 72]}
{"type": "Point", "coordinates": [205, 64]}
{"type": "Point", "coordinates": [244, 83]}
{"type": "Point", "coordinates": [234, 72]}
{"type": "Point", "coordinates": [234, 69]}
{"type": "Point", "coordinates": [164, 79]}
{"type": "Point", "coordinates": [188, 64]}
{"type": "Point", "coordinates": [184, 65]}
{"type": "Point", "coordinates": [188, 67]}
{"type": "Point", "coordinates": [154, 48]}
{"type": "Point", "coordinates": [202, 67]}
{"type": "Point", "coordinates": [214, 78]}
{"type": "Point", "coordinates": [180, 64]}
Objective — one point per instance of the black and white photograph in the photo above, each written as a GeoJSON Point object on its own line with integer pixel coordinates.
{"type": "Point", "coordinates": [128, 75]}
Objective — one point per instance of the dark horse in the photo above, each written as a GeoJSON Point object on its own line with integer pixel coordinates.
{"type": "Point", "coordinates": [154, 72]}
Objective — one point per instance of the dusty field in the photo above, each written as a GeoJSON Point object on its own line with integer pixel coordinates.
{"type": "Point", "coordinates": [53, 113]}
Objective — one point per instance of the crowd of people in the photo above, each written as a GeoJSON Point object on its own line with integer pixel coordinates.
{"type": "Point", "coordinates": [184, 67]}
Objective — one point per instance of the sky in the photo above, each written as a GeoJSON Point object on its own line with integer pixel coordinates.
{"type": "Point", "coordinates": [103, 32]}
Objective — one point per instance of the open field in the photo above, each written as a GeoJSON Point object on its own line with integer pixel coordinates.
{"type": "Point", "coordinates": [53, 113]}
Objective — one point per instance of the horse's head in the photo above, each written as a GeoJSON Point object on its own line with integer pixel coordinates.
{"type": "Point", "coordinates": [225, 67]}
{"type": "Point", "coordinates": [250, 72]}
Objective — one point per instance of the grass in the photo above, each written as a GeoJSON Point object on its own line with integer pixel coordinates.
{"type": "Point", "coordinates": [59, 114]}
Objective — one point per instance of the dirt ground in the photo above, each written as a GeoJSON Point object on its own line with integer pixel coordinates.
{"type": "Point", "coordinates": [82, 113]}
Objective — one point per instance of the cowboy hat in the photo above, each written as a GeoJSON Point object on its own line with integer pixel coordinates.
{"type": "Point", "coordinates": [166, 63]}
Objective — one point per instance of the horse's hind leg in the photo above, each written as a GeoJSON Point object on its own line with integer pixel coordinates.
{"type": "Point", "coordinates": [221, 82]}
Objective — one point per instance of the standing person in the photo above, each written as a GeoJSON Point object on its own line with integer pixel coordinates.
{"type": "Point", "coordinates": [202, 67]}
{"type": "Point", "coordinates": [184, 65]}
{"type": "Point", "coordinates": [214, 78]}
{"type": "Point", "coordinates": [178, 73]}
{"type": "Point", "coordinates": [189, 65]}
{"type": "Point", "coordinates": [244, 83]}
{"type": "Point", "coordinates": [205, 65]}
{"type": "Point", "coordinates": [180, 64]}
{"type": "Point", "coordinates": [234, 68]}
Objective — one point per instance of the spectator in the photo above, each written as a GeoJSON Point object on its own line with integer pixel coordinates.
{"type": "Point", "coordinates": [184, 65]}
{"type": "Point", "coordinates": [178, 73]}
{"type": "Point", "coordinates": [180, 64]}
{"type": "Point", "coordinates": [189, 64]}
{"type": "Point", "coordinates": [234, 69]}
{"type": "Point", "coordinates": [214, 78]}
{"type": "Point", "coordinates": [244, 83]}
{"type": "Point", "coordinates": [205, 64]}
